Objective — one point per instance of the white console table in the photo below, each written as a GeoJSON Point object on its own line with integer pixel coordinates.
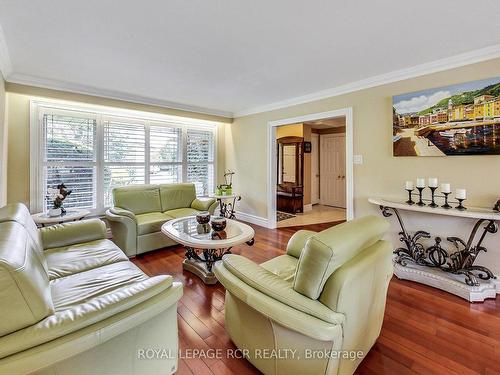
{"type": "Point", "coordinates": [455, 271]}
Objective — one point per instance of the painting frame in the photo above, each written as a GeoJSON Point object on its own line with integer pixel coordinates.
{"type": "Point", "coordinates": [459, 119]}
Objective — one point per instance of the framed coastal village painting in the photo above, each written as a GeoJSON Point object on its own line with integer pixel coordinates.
{"type": "Point", "coordinates": [462, 119]}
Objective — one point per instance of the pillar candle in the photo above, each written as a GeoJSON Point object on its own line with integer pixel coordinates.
{"type": "Point", "coordinates": [461, 194]}
{"type": "Point", "coordinates": [409, 185]}
{"type": "Point", "coordinates": [433, 182]}
{"type": "Point", "coordinates": [445, 188]}
{"type": "Point", "coordinates": [420, 182]}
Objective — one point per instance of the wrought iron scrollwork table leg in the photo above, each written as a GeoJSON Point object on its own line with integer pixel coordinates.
{"type": "Point", "coordinates": [201, 261]}
{"type": "Point", "coordinates": [458, 262]}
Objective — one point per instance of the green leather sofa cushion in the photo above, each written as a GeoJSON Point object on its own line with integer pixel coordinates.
{"type": "Point", "coordinates": [138, 199]}
{"type": "Point", "coordinates": [73, 290]}
{"type": "Point", "coordinates": [24, 283]}
{"type": "Point", "coordinates": [331, 248]}
{"type": "Point", "coordinates": [283, 266]}
{"type": "Point", "coordinates": [181, 212]}
{"type": "Point", "coordinates": [176, 196]}
{"type": "Point", "coordinates": [67, 234]}
{"type": "Point", "coordinates": [151, 222]}
{"type": "Point", "coordinates": [69, 260]}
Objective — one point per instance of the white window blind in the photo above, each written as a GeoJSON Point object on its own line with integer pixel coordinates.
{"type": "Point", "coordinates": [165, 147]}
{"type": "Point", "coordinates": [93, 152]}
{"type": "Point", "coordinates": [124, 156]}
{"type": "Point", "coordinates": [200, 160]}
{"type": "Point", "coordinates": [69, 157]}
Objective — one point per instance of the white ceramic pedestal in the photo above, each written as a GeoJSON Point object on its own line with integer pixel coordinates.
{"type": "Point", "coordinates": [448, 282]}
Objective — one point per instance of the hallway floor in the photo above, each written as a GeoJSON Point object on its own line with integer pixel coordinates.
{"type": "Point", "coordinates": [319, 214]}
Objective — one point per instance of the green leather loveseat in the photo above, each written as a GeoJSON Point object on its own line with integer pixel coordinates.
{"type": "Point", "coordinates": [319, 308]}
{"type": "Point", "coordinates": [71, 302]}
{"type": "Point", "coordinates": [140, 210]}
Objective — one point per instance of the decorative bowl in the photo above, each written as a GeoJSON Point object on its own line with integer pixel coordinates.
{"type": "Point", "coordinates": [221, 235]}
{"type": "Point", "coordinates": [203, 217]}
{"type": "Point", "coordinates": [218, 223]}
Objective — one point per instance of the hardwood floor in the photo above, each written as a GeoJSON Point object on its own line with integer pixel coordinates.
{"type": "Point", "coordinates": [425, 331]}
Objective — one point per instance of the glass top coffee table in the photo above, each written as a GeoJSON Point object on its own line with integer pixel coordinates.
{"type": "Point", "coordinates": [205, 246]}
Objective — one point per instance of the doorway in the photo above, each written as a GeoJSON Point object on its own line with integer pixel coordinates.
{"type": "Point", "coordinates": [325, 191]}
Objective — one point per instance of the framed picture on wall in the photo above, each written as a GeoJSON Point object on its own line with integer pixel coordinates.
{"type": "Point", "coordinates": [462, 119]}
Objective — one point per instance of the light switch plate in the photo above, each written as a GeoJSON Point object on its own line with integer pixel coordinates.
{"type": "Point", "coordinates": [357, 159]}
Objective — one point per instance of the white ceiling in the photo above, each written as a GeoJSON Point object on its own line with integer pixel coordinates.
{"type": "Point", "coordinates": [335, 122]}
{"type": "Point", "coordinates": [232, 56]}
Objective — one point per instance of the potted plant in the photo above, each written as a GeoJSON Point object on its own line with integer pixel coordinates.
{"type": "Point", "coordinates": [227, 188]}
{"type": "Point", "coordinates": [57, 196]}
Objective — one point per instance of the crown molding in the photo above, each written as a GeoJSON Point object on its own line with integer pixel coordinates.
{"type": "Point", "coordinates": [447, 63]}
{"type": "Point", "coordinates": [25, 79]}
{"type": "Point", "coordinates": [5, 63]}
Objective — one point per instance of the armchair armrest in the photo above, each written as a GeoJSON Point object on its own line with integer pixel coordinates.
{"type": "Point", "coordinates": [72, 233]}
{"type": "Point", "coordinates": [298, 241]}
{"type": "Point", "coordinates": [143, 296]}
{"type": "Point", "coordinates": [118, 211]}
{"type": "Point", "coordinates": [275, 287]}
{"type": "Point", "coordinates": [123, 224]}
{"type": "Point", "coordinates": [204, 205]}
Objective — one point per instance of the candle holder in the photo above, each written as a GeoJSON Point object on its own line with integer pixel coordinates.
{"type": "Point", "coordinates": [433, 204]}
{"type": "Point", "coordinates": [446, 205]}
{"type": "Point", "coordinates": [460, 206]}
{"type": "Point", "coordinates": [409, 201]}
{"type": "Point", "coordinates": [420, 201]}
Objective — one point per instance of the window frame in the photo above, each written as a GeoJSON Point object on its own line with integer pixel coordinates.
{"type": "Point", "coordinates": [38, 108]}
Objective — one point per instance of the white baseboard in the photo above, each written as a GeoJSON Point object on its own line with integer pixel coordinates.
{"type": "Point", "coordinates": [308, 207]}
{"type": "Point", "coordinates": [253, 219]}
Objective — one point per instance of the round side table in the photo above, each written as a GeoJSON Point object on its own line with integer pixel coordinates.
{"type": "Point", "coordinates": [72, 214]}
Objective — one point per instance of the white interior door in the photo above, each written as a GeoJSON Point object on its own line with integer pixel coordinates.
{"type": "Point", "coordinates": [332, 170]}
{"type": "Point", "coordinates": [315, 168]}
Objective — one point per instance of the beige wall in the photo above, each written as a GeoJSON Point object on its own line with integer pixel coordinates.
{"type": "Point", "coordinates": [381, 174]}
{"type": "Point", "coordinates": [3, 144]}
{"type": "Point", "coordinates": [18, 108]}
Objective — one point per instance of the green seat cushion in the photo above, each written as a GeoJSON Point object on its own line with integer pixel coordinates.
{"type": "Point", "coordinates": [151, 222]}
{"type": "Point", "coordinates": [176, 196]}
{"type": "Point", "coordinates": [330, 249]}
{"type": "Point", "coordinates": [139, 198]}
{"type": "Point", "coordinates": [283, 266]}
{"type": "Point", "coordinates": [181, 212]}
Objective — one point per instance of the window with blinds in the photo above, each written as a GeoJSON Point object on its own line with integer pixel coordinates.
{"type": "Point", "coordinates": [165, 154]}
{"type": "Point", "coordinates": [124, 156]}
{"type": "Point", "coordinates": [92, 153]}
{"type": "Point", "coordinates": [200, 160]}
{"type": "Point", "coordinates": [70, 157]}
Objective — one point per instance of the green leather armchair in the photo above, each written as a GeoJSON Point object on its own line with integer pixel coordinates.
{"type": "Point", "coordinates": [140, 210]}
{"type": "Point", "coordinates": [319, 308]}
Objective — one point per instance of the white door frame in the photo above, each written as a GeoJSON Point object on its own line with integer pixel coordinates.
{"type": "Point", "coordinates": [314, 176]}
{"type": "Point", "coordinates": [271, 158]}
